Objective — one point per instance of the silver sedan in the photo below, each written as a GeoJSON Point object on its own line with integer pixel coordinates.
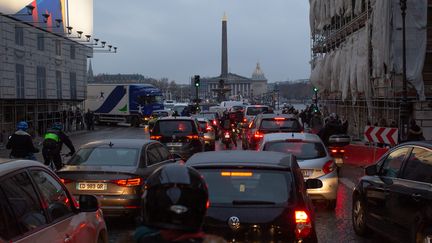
{"type": "Point", "coordinates": [313, 158]}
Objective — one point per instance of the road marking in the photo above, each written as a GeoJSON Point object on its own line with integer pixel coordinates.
{"type": "Point", "coordinates": [347, 183]}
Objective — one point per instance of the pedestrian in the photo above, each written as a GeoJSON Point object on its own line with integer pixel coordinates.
{"type": "Point", "coordinates": [53, 143]}
{"type": "Point", "coordinates": [174, 205]}
{"type": "Point", "coordinates": [315, 122]}
{"type": "Point", "coordinates": [332, 127]}
{"type": "Point", "coordinates": [89, 120]}
{"type": "Point", "coordinates": [70, 119]}
{"type": "Point", "coordinates": [79, 120]}
{"type": "Point", "coordinates": [21, 143]}
{"type": "Point", "coordinates": [415, 133]}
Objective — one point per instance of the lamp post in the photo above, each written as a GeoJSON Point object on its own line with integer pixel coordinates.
{"type": "Point", "coordinates": [404, 104]}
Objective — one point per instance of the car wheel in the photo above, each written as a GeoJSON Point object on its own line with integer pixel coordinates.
{"type": "Point", "coordinates": [331, 204]}
{"type": "Point", "coordinates": [359, 218]}
{"type": "Point", "coordinates": [423, 235]}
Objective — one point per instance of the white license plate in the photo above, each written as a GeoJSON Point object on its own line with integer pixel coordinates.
{"type": "Point", "coordinates": [84, 186]}
{"type": "Point", "coordinates": [307, 173]}
{"type": "Point", "coordinates": [338, 160]}
{"type": "Point", "coordinates": [227, 136]}
{"type": "Point", "coordinates": [174, 144]}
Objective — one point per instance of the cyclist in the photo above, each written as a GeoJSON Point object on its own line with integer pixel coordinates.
{"type": "Point", "coordinates": [21, 143]}
{"type": "Point", "coordinates": [174, 205]}
{"type": "Point", "coordinates": [53, 143]}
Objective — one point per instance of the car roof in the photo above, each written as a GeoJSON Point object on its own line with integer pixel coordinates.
{"type": "Point", "coordinates": [9, 165]}
{"type": "Point", "coordinates": [264, 116]}
{"type": "Point", "coordinates": [291, 135]}
{"type": "Point", "coordinates": [242, 158]}
{"type": "Point", "coordinates": [256, 106]}
{"type": "Point", "coordinates": [426, 144]}
{"type": "Point", "coordinates": [176, 118]}
{"type": "Point", "coordinates": [202, 119]}
{"type": "Point", "coordinates": [120, 143]}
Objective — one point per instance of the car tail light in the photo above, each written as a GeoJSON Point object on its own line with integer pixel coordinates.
{"type": "Point", "coordinates": [193, 137]}
{"type": "Point", "coordinates": [155, 137]}
{"type": "Point", "coordinates": [209, 128]}
{"type": "Point", "coordinates": [258, 135]}
{"type": "Point", "coordinates": [328, 167]}
{"type": "Point", "coordinates": [303, 224]}
{"type": "Point", "coordinates": [129, 182]}
{"type": "Point", "coordinates": [245, 120]}
{"type": "Point", "coordinates": [215, 122]}
{"type": "Point", "coordinates": [280, 118]}
{"type": "Point", "coordinates": [66, 181]}
{"type": "Point", "coordinates": [227, 135]}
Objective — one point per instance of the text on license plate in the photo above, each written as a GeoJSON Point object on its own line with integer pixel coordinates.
{"type": "Point", "coordinates": [307, 173]}
{"type": "Point", "coordinates": [84, 186]}
{"type": "Point", "coordinates": [174, 144]}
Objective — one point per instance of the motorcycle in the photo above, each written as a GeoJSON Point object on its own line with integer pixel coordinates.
{"type": "Point", "coordinates": [229, 136]}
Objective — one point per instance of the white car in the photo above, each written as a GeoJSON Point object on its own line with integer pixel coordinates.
{"type": "Point", "coordinates": [35, 206]}
{"type": "Point", "coordinates": [313, 158]}
{"type": "Point", "coordinates": [251, 111]}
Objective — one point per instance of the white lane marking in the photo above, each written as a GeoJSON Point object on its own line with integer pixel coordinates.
{"type": "Point", "coordinates": [347, 183]}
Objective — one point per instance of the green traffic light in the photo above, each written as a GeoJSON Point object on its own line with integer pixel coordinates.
{"type": "Point", "coordinates": [197, 84]}
{"type": "Point", "coordinates": [315, 89]}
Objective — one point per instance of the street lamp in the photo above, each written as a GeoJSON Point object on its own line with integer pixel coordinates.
{"type": "Point", "coordinates": [404, 104]}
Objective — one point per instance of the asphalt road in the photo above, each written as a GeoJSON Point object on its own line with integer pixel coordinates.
{"type": "Point", "coordinates": [332, 226]}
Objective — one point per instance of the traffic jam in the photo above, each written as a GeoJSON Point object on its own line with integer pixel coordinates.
{"type": "Point", "coordinates": [232, 173]}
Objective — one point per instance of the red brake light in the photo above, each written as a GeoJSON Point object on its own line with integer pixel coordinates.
{"type": "Point", "coordinates": [155, 137]}
{"type": "Point", "coordinates": [280, 118]}
{"type": "Point", "coordinates": [244, 120]}
{"type": "Point", "coordinates": [214, 122]}
{"type": "Point", "coordinates": [129, 182]}
{"type": "Point", "coordinates": [303, 224]}
{"type": "Point", "coordinates": [209, 128]}
{"type": "Point", "coordinates": [328, 167]}
{"type": "Point", "coordinates": [65, 181]}
{"type": "Point", "coordinates": [258, 135]}
{"type": "Point", "coordinates": [193, 137]}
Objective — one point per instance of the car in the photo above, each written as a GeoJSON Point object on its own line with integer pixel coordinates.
{"type": "Point", "coordinates": [114, 171]}
{"type": "Point", "coordinates": [313, 158]}
{"type": "Point", "coordinates": [181, 135]}
{"type": "Point", "coordinates": [213, 117]}
{"type": "Point", "coordinates": [256, 196]}
{"type": "Point", "coordinates": [394, 198]}
{"type": "Point", "coordinates": [36, 207]}
{"type": "Point", "coordinates": [178, 108]}
{"type": "Point", "coordinates": [268, 123]}
{"type": "Point", "coordinates": [156, 114]}
{"type": "Point", "coordinates": [251, 111]}
{"type": "Point", "coordinates": [209, 134]}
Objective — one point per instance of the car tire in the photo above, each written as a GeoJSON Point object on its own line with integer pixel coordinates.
{"type": "Point", "coordinates": [331, 204]}
{"type": "Point", "coordinates": [359, 217]}
{"type": "Point", "coordinates": [423, 235]}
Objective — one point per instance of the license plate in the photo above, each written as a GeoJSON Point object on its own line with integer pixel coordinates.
{"type": "Point", "coordinates": [174, 144]}
{"type": "Point", "coordinates": [227, 136]}
{"type": "Point", "coordinates": [307, 173]}
{"type": "Point", "coordinates": [84, 186]}
{"type": "Point", "coordinates": [338, 160]}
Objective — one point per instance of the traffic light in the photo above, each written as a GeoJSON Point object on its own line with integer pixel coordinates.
{"type": "Point", "coordinates": [197, 80]}
{"type": "Point", "coordinates": [315, 89]}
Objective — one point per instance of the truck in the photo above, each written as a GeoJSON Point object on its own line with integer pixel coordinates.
{"type": "Point", "coordinates": [123, 103]}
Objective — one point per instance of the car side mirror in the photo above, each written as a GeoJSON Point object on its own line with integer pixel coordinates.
{"type": "Point", "coordinates": [88, 203]}
{"type": "Point", "coordinates": [314, 184]}
{"type": "Point", "coordinates": [371, 170]}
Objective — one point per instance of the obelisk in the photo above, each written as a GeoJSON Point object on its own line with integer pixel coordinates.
{"type": "Point", "coordinates": [224, 69]}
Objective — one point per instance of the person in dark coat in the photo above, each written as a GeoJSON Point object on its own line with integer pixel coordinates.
{"type": "Point", "coordinates": [332, 127]}
{"type": "Point", "coordinates": [21, 143]}
{"type": "Point", "coordinates": [415, 133]}
{"type": "Point", "coordinates": [53, 143]}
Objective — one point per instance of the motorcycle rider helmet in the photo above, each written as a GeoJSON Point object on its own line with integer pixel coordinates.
{"type": "Point", "coordinates": [57, 126]}
{"type": "Point", "coordinates": [22, 125]}
{"type": "Point", "coordinates": [176, 198]}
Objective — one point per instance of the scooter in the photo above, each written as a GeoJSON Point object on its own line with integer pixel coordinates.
{"type": "Point", "coordinates": [226, 139]}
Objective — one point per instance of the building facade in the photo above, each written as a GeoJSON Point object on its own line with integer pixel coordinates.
{"type": "Point", "coordinates": [42, 75]}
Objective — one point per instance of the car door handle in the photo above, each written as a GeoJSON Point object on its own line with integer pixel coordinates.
{"type": "Point", "coordinates": [416, 197]}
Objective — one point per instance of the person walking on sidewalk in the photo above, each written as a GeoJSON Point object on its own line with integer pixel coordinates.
{"type": "Point", "coordinates": [21, 143]}
{"type": "Point", "coordinates": [53, 143]}
{"type": "Point", "coordinates": [89, 119]}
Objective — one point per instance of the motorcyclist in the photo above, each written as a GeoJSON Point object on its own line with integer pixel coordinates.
{"type": "Point", "coordinates": [21, 143]}
{"type": "Point", "coordinates": [332, 127]}
{"type": "Point", "coordinates": [174, 204]}
{"type": "Point", "coordinates": [227, 126]}
{"type": "Point", "coordinates": [53, 143]}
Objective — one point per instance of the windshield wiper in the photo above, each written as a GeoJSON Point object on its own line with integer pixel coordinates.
{"type": "Point", "coordinates": [252, 202]}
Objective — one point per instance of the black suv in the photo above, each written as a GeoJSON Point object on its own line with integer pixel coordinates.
{"type": "Point", "coordinates": [181, 135]}
{"type": "Point", "coordinates": [256, 196]}
{"type": "Point", "coordinates": [395, 197]}
{"type": "Point", "coordinates": [268, 123]}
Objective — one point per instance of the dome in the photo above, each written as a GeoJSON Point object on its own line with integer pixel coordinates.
{"type": "Point", "coordinates": [258, 73]}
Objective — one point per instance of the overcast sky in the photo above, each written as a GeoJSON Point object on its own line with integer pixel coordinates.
{"type": "Point", "coordinates": [180, 38]}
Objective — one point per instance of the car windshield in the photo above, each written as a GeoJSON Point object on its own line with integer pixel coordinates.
{"type": "Point", "coordinates": [253, 111]}
{"type": "Point", "coordinates": [179, 108]}
{"type": "Point", "coordinates": [282, 124]}
{"type": "Point", "coordinates": [105, 156]}
{"type": "Point", "coordinates": [174, 127]}
{"type": "Point", "coordinates": [210, 116]}
{"type": "Point", "coordinates": [247, 186]}
{"type": "Point", "coordinates": [302, 150]}
{"type": "Point", "coordinates": [160, 114]}
{"type": "Point", "coordinates": [203, 125]}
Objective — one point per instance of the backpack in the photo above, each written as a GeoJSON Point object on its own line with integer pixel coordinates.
{"type": "Point", "coordinates": [51, 140]}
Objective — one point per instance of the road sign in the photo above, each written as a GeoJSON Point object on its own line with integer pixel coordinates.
{"type": "Point", "coordinates": [386, 135]}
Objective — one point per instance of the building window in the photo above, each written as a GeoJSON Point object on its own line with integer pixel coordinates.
{"type": "Point", "coordinates": [58, 47]}
{"type": "Point", "coordinates": [40, 42]}
{"type": "Point", "coordinates": [19, 35]}
{"type": "Point", "coordinates": [73, 91]}
{"type": "Point", "coordinates": [59, 84]}
{"type": "Point", "coordinates": [19, 74]}
{"type": "Point", "coordinates": [41, 82]}
{"type": "Point", "coordinates": [72, 51]}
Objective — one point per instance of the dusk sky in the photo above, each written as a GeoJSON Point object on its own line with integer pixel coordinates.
{"type": "Point", "coordinates": [177, 39]}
